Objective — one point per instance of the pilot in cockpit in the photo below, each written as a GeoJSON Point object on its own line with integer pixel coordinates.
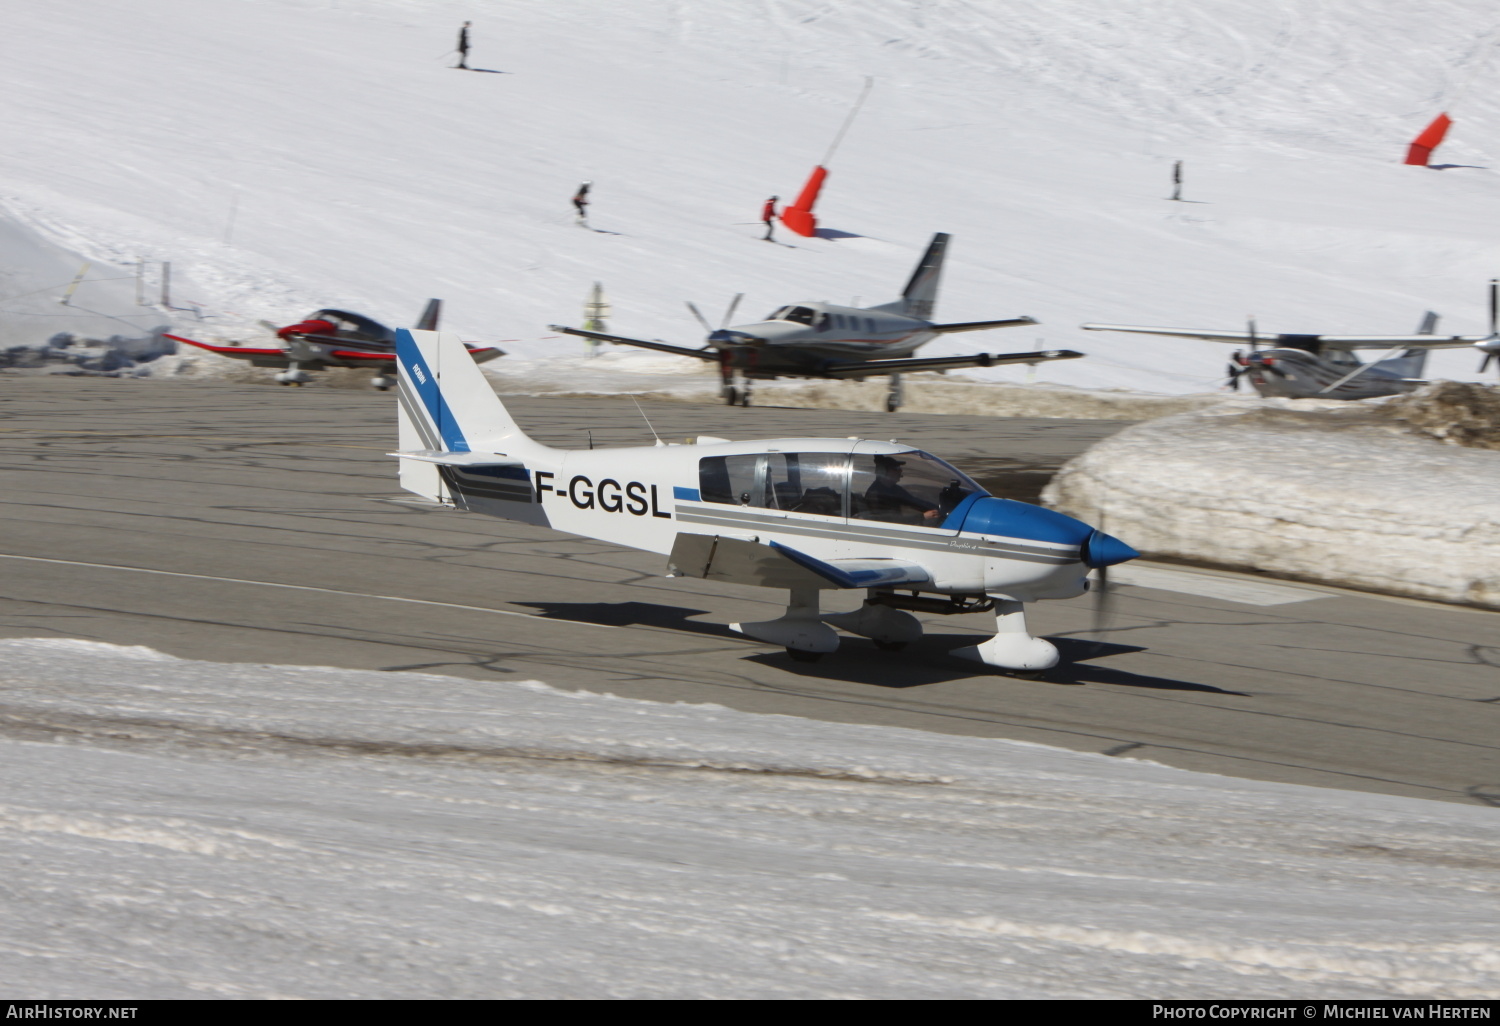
{"type": "Point", "coordinates": [887, 500]}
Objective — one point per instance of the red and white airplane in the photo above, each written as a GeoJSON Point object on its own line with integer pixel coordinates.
{"type": "Point", "coordinates": [334, 338]}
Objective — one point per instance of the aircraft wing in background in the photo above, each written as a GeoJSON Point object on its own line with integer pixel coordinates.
{"type": "Point", "coordinates": [1011, 322]}
{"type": "Point", "coordinates": [1245, 338]}
{"type": "Point", "coordinates": [661, 347]}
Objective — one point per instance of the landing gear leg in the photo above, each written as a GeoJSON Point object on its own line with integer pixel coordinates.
{"type": "Point", "coordinates": [800, 629]}
{"type": "Point", "coordinates": [895, 396]}
{"type": "Point", "coordinates": [293, 375]}
{"type": "Point", "coordinates": [382, 382]}
{"type": "Point", "coordinates": [1012, 649]}
{"type": "Point", "coordinates": [890, 629]}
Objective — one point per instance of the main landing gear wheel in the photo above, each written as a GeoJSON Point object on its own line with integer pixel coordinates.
{"type": "Point", "coordinates": [731, 396]}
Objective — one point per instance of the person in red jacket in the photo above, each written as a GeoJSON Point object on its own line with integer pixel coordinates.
{"type": "Point", "coordinates": [768, 214]}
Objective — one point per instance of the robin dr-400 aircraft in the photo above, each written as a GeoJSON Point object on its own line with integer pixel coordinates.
{"type": "Point", "coordinates": [333, 338]}
{"type": "Point", "coordinates": [1325, 367]}
{"type": "Point", "coordinates": [821, 340]}
{"type": "Point", "coordinates": [804, 514]}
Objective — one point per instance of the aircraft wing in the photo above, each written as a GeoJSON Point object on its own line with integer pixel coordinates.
{"type": "Point", "coordinates": [773, 565]}
{"type": "Point", "coordinates": [661, 347]}
{"type": "Point", "coordinates": [870, 368]}
{"type": "Point", "coordinates": [1245, 338]}
{"type": "Point", "coordinates": [239, 352]}
{"type": "Point", "coordinates": [1013, 322]}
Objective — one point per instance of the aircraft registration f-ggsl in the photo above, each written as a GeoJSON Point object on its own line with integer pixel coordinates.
{"type": "Point", "coordinates": [821, 340]}
{"type": "Point", "coordinates": [803, 514]}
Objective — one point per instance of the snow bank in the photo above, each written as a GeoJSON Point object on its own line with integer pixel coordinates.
{"type": "Point", "coordinates": [173, 828]}
{"type": "Point", "coordinates": [1367, 497]}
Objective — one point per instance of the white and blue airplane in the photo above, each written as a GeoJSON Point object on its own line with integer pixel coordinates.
{"type": "Point", "coordinates": [804, 514]}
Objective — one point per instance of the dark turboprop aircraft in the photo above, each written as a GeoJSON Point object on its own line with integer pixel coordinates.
{"type": "Point", "coordinates": [333, 338]}
{"type": "Point", "coordinates": [821, 340]}
{"type": "Point", "coordinates": [1325, 366]}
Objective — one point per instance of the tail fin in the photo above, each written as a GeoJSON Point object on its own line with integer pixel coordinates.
{"type": "Point", "coordinates": [446, 403]}
{"type": "Point", "coordinates": [920, 297]}
{"type": "Point", "coordinates": [430, 314]}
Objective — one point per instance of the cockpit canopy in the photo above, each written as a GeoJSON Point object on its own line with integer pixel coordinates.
{"type": "Point", "coordinates": [795, 314]}
{"type": "Point", "coordinates": [911, 487]}
{"type": "Point", "coordinates": [354, 326]}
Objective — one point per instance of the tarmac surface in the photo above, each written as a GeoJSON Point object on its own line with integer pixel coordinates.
{"type": "Point", "coordinates": [250, 523]}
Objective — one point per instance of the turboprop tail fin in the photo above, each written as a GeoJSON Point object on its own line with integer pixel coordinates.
{"type": "Point", "coordinates": [447, 404]}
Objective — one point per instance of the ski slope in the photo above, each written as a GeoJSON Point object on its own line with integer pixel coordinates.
{"type": "Point", "coordinates": [176, 829]}
{"type": "Point", "coordinates": [291, 154]}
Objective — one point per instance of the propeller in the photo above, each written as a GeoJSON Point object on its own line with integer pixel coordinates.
{"type": "Point", "coordinates": [1103, 597]}
{"type": "Point", "coordinates": [733, 305]}
{"type": "Point", "coordinates": [1491, 346]}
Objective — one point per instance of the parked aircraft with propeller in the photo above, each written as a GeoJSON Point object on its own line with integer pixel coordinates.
{"type": "Point", "coordinates": [822, 340]}
{"type": "Point", "coordinates": [333, 338]}
{"type": "Point", "coordinates": [1325, 366]}
{"type": "Point", "coordinates": [803, 514]}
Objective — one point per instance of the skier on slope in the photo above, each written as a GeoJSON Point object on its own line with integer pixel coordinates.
{"type": "Point", "coordinates": [581, 202]}
{"type": "Point", "coordinates": [768, 215]}
{"type": "Point", "coordinates": [463, 47]}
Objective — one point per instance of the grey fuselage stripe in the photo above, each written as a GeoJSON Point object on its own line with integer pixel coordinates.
{"type": "Point", "coordinates": [851, 531]}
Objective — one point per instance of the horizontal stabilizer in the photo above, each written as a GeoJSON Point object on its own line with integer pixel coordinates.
{"type": "Point", "coordinates": [459, 459]}
{"type": "Point", "coordinates": [1013, 322]}
{"type": "Point", "coordinates": [858, 573]}
{"type": "Point", "coordinates": [660, 347]}
{"type": "Point", "coordinates": [870, 368]}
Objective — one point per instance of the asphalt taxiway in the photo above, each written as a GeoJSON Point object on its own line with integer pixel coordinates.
{"type": "Point", "coordinates": [250, 523]}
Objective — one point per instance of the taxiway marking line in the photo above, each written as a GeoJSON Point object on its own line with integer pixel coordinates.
{"type": "Point", "coordinates": [305, 587]}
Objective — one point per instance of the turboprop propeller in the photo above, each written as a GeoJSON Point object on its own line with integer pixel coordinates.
{"type": "Point", "coordinates": [1490, 346]}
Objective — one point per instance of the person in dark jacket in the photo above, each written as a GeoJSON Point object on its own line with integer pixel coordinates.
{"type": "Point", "coordinates": [581, 202]}
{"type": "Point", "coordinates": [463, 47]}
{"type": "Point", "coordinates": [768, 215]}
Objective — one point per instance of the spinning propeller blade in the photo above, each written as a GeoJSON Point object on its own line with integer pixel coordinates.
{"type": "Point", "coordinates": [701, 319]}
{"type": "Point", "coordinates": [733, 305]}
{"type": "Point", "coordinates": [1492, 354]}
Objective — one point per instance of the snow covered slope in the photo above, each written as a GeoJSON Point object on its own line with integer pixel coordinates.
{"type": "Point", "coordinates": [363, 172]}
{"type": "Point", "coordinates": [187, 829]}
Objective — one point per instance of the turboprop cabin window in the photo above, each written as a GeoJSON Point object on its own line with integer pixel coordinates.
{"type": "Point", "coordinates": [815, 482]}
{"type": "Point", "coordinates": [907, 488]}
